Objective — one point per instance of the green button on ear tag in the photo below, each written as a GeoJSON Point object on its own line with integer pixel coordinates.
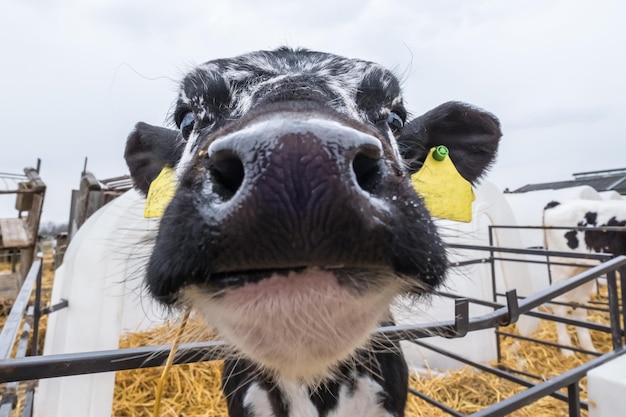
{"type": "Point", "coordinates": [446, 193]}
{"type": "Point", "coordinates": [160, 194]}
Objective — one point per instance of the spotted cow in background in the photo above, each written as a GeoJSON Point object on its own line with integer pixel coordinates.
{"type": "Point", "coordinates": [295, 224]}
{"type": "Point", "coordinates": [587, 213]}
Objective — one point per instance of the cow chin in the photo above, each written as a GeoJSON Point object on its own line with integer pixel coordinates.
{"type": "Point", "coordinates": [297, 325]}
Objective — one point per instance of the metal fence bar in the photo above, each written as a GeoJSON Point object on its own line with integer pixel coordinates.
{"type": "Point", "coordinates": [9, 397]}
{"type": "Point", "coordinates": [622, 275]}
{"type": "Point", "coordinates": [546, 343]}
{"type": "Point", "coordinates": [585, 306]}
{"type": "Point", "coordinates": [573, 322]}
{"type": "Point", "coordinates": [37, 312]}
{"type": "Point", "coordinates": [616, 329]}
{"type": "Point", "coordinates": [68, 364]}
{"type": "Point", "coordinates": [494, 371]}
{"type": "Point", "coordinates": [542, 315]}
{"type": "Point", "coordinates": [6, 406]}
{"type": "Point", "coordinates": [12, 325]}
{"type": "Point", "coordinates": [524, 398]}
{"type": "Point", "coordinates": [535, 252]}
{"type": "Point", "coordinates": [494, 295]}
{"type": "Point", "coordinates": [579, 228]}
{"type": "Point", "coordinates": [499, 316]}
{"type": "Point", "coordinates": [573, 392]}
{"type": "Point", "coordinates": [518, 372]}
{"type": "Point", "coordinates": [531, 261]}
{"type": "Point", "coordinates": [461, 264]}
{"type": "Point", "coordinates": [519, 260]}
{"type": "Point", "coordinates": [435, 403]}
{"type": "Point", "coordinates": [28, 402]}
{"type": "Point", "coordinates": [10, 175]}
{"type": "Point", "coordinates": [102, 361]}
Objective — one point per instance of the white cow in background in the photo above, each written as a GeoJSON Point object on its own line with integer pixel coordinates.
{"type": "Point", "coordinates": [589, 213]}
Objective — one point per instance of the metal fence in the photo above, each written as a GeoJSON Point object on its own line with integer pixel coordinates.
{"type": "Point", "coordinates": [32, 368]}
{"type": "Point", "coordinates": [515, 307]}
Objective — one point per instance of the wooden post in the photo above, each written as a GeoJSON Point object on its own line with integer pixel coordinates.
{"type": "Point", "coordinates": [38, 189]}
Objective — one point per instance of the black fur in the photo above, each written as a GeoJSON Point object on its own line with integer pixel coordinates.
{"type": "Point", "coordinates": [551, 204]}
{"type": "Point", "coordinates": [385, 365]}
{"type": "Point", "coordinates": [249, 205]}
{"type": "Point", "coordinates": [471, 135]}
{"type": "Point", "coordinates": [148, 150]}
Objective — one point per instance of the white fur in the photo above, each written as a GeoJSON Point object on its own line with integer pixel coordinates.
{"type": "Point", "coordinates": [570, 214]}
{"type": "Point", "coordinates": [298, 326]}
{"type": "Point", "coordinates": [363, 402]}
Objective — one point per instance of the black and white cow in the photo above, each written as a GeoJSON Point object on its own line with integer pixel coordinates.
{"type": "Point", "coordinates": [295, 224]}
{"type": "Point", "coordinates": [588, 213]}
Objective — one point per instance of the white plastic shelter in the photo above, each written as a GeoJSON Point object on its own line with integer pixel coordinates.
{"type": "Point", "coordinates": [606, 386]}
{"type": "Point", "coordinates": [528, 210]}
{"type": "Point", "coordinates": [474, 281]}
{"type": "Point", "coordinates": [611, 195]}
{"type": "Point", "coordinates": [528, 207]}
{"type": "Point", "coordinates": [101, 278]}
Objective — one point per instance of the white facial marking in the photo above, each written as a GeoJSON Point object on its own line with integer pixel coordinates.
{"type": "Point", "coordinates": [188, 154]}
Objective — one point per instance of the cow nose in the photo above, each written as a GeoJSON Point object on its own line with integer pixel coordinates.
{"type": "Point", "coordinates": [227, 171]}
{"type": "Point", "coordinates": [307, 152]}
{"type": "Point", "coordinates": [367, 167]}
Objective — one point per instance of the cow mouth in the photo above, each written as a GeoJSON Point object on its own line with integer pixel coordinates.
{"type": "Point", "coordinates": [298, 322]}
{"type": "Point", "coordinates": [356, 278]}
{"type": "Point", "coordinates": [233, 279]}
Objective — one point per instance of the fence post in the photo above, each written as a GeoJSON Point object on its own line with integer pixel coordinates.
{"type": "Point", "coordinates": [494, 292]}
{"type": "Point", "coordinates": [573, 394]}
{"type": "Point", "coordinates": [614, 311]}
{"type": "Point", "coordinates": [37, 313]}
{"type": "Point", "coordinates": [622, 279]}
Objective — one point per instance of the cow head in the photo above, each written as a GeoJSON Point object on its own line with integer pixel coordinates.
{"type": "Point", "coordinates": [294, 222]}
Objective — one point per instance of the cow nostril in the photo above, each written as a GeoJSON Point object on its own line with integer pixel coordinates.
{"type": "Point", "coordinates": [368, 171]}
{"type": "Point", "coordinates": [227, 173]}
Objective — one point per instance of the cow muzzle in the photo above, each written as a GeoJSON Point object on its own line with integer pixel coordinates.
{"type": "Point", "coordinates": [295, 192]}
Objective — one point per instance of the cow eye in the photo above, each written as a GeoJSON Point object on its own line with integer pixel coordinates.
{"type": "Point", "coordinates": [395, 122]}
{"type": "Point", "coordinates": [186, 124]}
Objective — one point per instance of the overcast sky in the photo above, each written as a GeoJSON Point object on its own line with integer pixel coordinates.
{"type": "Point", "coordinates": [75, 76]}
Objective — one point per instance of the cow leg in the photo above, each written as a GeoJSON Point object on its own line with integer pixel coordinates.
{"type": "Point", "coordinates": [584, 338]}
{"type": "Point", "coordinates": [561, 330]}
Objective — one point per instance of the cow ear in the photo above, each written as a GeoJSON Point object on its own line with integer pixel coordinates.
{"type": "Point", "coordinates": [148, 149]}
{"type": "Point", "coordinates": [471, 135]}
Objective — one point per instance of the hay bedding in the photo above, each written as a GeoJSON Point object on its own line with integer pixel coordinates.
{"type": "Point", "coordinates": [194, 390]}
{"type": "Point", "coordinates": [190, 390]}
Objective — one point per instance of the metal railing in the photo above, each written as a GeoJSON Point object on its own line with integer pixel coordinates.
{"type": "Point", "coordinates": [26, 368]}
{"type": "Point", "coordinates": [30, 330]}
{"type": "Point", "coordinates": [515, 308]}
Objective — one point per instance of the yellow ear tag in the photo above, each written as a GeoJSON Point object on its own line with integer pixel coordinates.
{"type": "Point", "coordinates": [160, 194]}
{"type": "Point", "coordinates": [446, 193]}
